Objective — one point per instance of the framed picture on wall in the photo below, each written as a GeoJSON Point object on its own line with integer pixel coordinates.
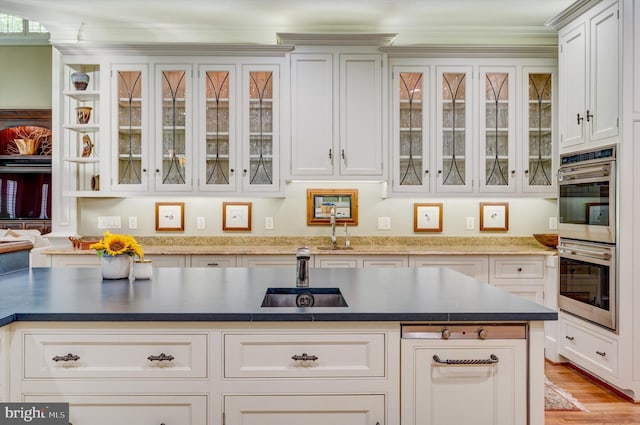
{"type": "Point", "coordinates": [321, 203]}
{"type": "Point", "coordinates": [236, 216]}
{"type": "Point", "coordinates": [494, 216]}
{"type": "Point", "coordinates": [427, 217]}
{"type": "Point", "coordinates": [170, 216]}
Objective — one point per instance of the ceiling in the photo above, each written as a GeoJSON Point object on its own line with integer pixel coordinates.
{"type": "Point", "coordinates": [258, 21]}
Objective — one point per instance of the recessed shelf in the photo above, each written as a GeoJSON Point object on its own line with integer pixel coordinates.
{"type": "Point", "coordinates": [82, 160]}
{"type": "Point", "coordinates": [83, 128]}
{"type": "Point", "coordinates": [82, 95]}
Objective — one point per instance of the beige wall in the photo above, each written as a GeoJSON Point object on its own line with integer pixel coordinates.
{"type": "Point", "coordinates": [25, 77]}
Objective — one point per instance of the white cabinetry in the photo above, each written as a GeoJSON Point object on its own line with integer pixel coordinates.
{"type": "Point", "coordinates": [589, 64]}
{"type": "Point", "coordinates": [213, 260]}
{"type": "Point", "coordinates": [520, 275]}
{"type": "Point", "coordinates": [488, 388]}
{"type": "Point", "coordinates": [481, 126]}
{"type": "Point", "coordinates": [311, 374]}
{"type": "Point", "coordinates": [114, 376]}
{"type": "Point", "coordinates": [336, 107]}
{"type": "Point", "coordinates": [304, 409]}
{"type": "Point", "coordinates": [589, 346]}
{"type": "Point", "coordinates": [267, 261]}
{"type": "Point", "coordinates": [360, 261]}
{"type": "Point", "coordinates": [476, 266]}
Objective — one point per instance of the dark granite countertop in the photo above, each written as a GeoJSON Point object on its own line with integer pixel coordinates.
{"type": "Point", "coordinates": [235, 294]}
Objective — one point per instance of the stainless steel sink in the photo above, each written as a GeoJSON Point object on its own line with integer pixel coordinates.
{"type": "Point", "coordinates": [303, 297]}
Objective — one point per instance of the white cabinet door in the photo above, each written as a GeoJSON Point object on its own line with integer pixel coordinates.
{"type": "Point", "coordinates": [167, 260]}
{"type": "Point", "coordinates": [604, 91]}
{"type": "Point", "coordinates": [360, 115]}
{"type": "Point", "coordinates": [521, 275]}
{"type": "Point", "coordinates": [573, 86]}
{"type": "Point", "coordinates": [411, 126]}
{"type": "Point", "coordinates": [72, 260]}
{"type": "Point", "coordinates": [476, 266]}
{"type": "Point", "coordinates": [360, 261]}
{"type": "Point", "coordinates": [213, 261]}
{"type": "Point", "coordinates": [454, 111]}
{"type": "Point", "coordinates": [497, 122]}
{"type": "Point", "coordinates": [267, 261]}
{"type": "Point", "coordinates": [479, 394]}
{"type": "Point", "coordinates": [337, 261]}
{"type": "Point", "coordinates": [128, 409]}
{"type": "Point", "coordinates": [312, 115]}
{"type": "Point", "coordinates": [304, 409]}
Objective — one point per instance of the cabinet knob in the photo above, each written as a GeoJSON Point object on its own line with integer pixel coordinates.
{"type": "Point", "coordinates": [570, 338]}
{"type": "Point", "coordinates": [601, 353]}
{"type": "Point", "coordinates": [483, 334]}
{"type": "Point", "coordinates": [244, 171]}
{"type": "Point", "coordinates": [330, 154]}
{"type": "Point", "coordinates": [426, 171]}
{"type": "Point", "coordinates": [160, 357]}
{"type": "Point", "coordinates": [342, 153]}
{"type": "Point", "coordinates": [439, 171]}
{"type": "Point", "coordinates": [232, 170]}
{"type": "Point", "coordinates": [446, 334]}
{"type": "Point", "coordinates": [157, 170]}
{"type": "Point", "coordinates": [144, 170]}
{"type": "Point", "coordinates": [519, 269]}
{"type": "Point", "coordinates": [579, 119]}
{"type": "Point", "coordinates": [589, 116]}
{"type": "Point", "coordinates": [304, 357]}
{"type": "Point", "coordinates": [526, 171]}
{"type": "Point", "coordinates": [66, 358]}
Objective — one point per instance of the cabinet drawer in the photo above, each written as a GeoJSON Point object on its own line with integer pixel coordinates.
{"type": "Point", "coordinates": [336, 355]}
{"type": "Point", "coordinates": [114, 355]}
{"type": "Point", "coordinates": [514, 268]}
{"type": "Point", "coordinates": [588, 347]}
{"type": "Point", "coordinates": [140, 409]}
{"type": "Point", "coordinates": [213, 261]}
{"type": "Point", "coordinates": [167, 260]}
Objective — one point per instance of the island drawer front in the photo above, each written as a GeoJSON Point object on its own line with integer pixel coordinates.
{"type": "Point", "coordinates": [335, 355]}
{"type": "Point", "coordinates": [114, 355]}
{"type": "Point", "coordinates": [126, 409]}
{"type": "Point", "coordinates": [588, 347]}
{"type": "Point", "coordinates": [516, 268]}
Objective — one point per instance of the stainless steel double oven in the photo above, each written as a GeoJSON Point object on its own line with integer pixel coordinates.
{"type": "Point", "coordinates": [587, 230]}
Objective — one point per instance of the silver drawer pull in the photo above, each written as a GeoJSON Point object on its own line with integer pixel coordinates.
{"type": "Point", "coordinates": [66, 358]}
{"type": "Point", "coordinates": [601, 353]}
{"type": "Point", "coordinates": [493, 359]}
{"type": "Point", "coordinates": [304, 357]}
{"type": "Point", "coordinates": [160, 357]}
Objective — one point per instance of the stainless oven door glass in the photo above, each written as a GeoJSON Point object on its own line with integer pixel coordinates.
{"type": "Point", "coordinates": [586, 202]}
{"type": "Point", "coordinates": [587, 281]}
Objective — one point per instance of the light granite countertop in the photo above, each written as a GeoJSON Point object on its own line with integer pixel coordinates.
{"type": "Point", "coordinates": [373, 245]}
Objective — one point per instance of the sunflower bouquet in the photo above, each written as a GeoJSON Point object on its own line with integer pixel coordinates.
{"type": "Point", "coordinates": [115, 244]}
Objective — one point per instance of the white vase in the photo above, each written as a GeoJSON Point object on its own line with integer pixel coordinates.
{"type": "Point", "coordinates": [115, 267]}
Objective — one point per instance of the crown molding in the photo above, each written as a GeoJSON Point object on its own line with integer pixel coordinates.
{"type": "Point", "coordinates": [570, 13]}
{"type": "Point", "coordinates": [480, 51]}
{"type": "Point", "coordinates": [336, 39]}
{"type": "Point", "coordinates": [172, 49]}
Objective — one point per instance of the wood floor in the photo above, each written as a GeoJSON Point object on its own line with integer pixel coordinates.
{"type": "Point", "coordinates": [605, 407]}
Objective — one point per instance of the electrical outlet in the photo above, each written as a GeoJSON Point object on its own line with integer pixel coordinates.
{"type": "Point", "coordinates": [470, 223]}
{"type": "Point", "coordinates": [384, 223]}
{"type": "Point", "coordinates": [133, 222]}
{"type": "Point", "coordinates": [109, 222]}
{"type": "Point", "coordinates": [553, 223]}
{"type": "Point", "coordinates": [268, 223]}
{"type": "Point", "coordinates": [200, 223]}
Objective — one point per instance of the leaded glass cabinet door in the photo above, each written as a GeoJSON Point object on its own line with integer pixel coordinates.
{"type": "Point", "coordinates": [454, 87]}
{"type": "Point", "coordinates": [131, 167]}
{"type": "Point", "coordinates": [216, 139]}
{"type": "Point", "coordinates": [172, 145]}
{"type": "Point", "coordinates": [497, 129]}
{"type": "Point", "coordinates": [539, 131]}
{"type": "Point", "coordinates": [260, 141]}
{"type": "Point", "coordinates": [411, 129]}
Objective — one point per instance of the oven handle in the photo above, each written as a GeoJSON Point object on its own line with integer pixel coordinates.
{"type": "Point", "coordinates": [584, 172]}
{"type": "Point", "coordinates": [584, 253]}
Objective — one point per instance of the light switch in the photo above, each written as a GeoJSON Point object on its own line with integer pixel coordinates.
{"type": "Point", "coordinates": [133, 222]}
{"type": "Point", "coordinates": [470, 223]}
{"type": "Point", "coordinates": [553, 223]}
{"type": "Point", "coordinates": [268, 223]}
{"type": "Point", "coordinates": [109, 222]}
{"type": "Point", "coordinates": [384, 223]}
{"type": "Point", "coordinates": [200, 223]}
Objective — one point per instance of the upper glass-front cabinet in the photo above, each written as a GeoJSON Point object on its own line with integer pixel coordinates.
{"type": "Point", "coordinates": [497, 130]}
{"type": "Point", "coordinates": [411, 129]}
{"type": "Point", "coordinates": [539, 156]}
{"type": "Point", "coordinates": [173, 121]}
{"type": "Point", "coordinates": [217, 141]}
{"type": "Point", "coordinates": [131, 152]}
{"type": "Point", "coordinates": [454, 129]}
{"type": "Point", "coordinates": [260, 141]}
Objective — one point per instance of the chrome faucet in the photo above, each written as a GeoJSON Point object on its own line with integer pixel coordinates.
{"type": "Point", "coordinates": [334, 240]}
{"type": "Point", "coordinates": [303, 255]}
